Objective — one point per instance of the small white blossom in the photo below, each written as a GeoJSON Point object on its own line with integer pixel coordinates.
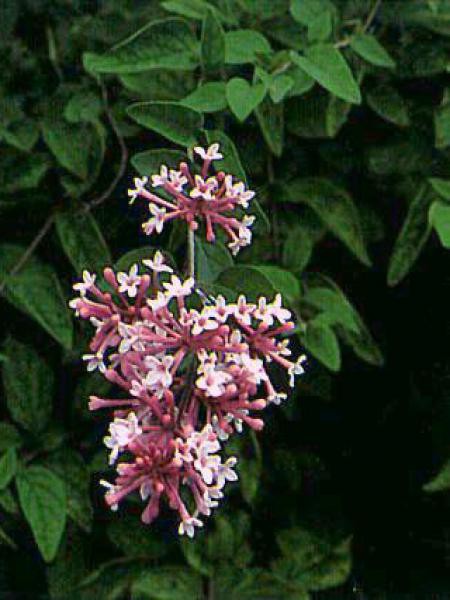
{"type": "Point", "coordinates": [158, 376]}
{"type": "Point", "coordinates": [277, 398]}
{"type": "Point", "coordinates": [225, 472]}
{"type": "Point", "coordinates": [129, 282]}
{"type": "Point", "coordinates": [187, 526]}
{"type": "Point", "coordinates": [122, 432]}
{"type": "Point", "coordinates": [212, 381]}
{"type": "Point", "coordinates": [95, 361]}
{"type": "Point", "coordinates": [157, 264]}
{"type": "Point", "coordinates": [242, 310]}
{"type": "Point", "coordinates": [177, 180]}
{"type": "Point", "coordinates": [203, 322]}
{"type": "Point", "coordinates": [212, 153]}
{"type": "Point", "coordinates": [277, 310]}
{"type": "Point", "coordinates": [139, 187]}
{"type": "Point", "coordinates": [156, 223]}
{"type": "Point", "coordinates": [296, 369]}
{"type": "Point", "coordinates": [87, 283]}
{"type": "Point", "coordinates": [162, 178]}
{"type": "Point", "coordinates": [177, 289]}
{"type": "Point", "coordinates": [159, 302]}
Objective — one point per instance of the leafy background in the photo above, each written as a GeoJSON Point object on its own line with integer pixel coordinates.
{"type": "Point", "coordinates": [338, 114]}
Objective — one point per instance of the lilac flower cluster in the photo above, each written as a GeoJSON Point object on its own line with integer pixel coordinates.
{"type": "Point", "coordinates": [190, 373]}
{"type": "Point", "coordinates": [198, 197]}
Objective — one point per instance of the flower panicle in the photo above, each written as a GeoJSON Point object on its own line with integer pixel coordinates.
{"type": "Point", "coordinates": [190, 375]}
{"type": "Point", "coordinates": [204, 197]}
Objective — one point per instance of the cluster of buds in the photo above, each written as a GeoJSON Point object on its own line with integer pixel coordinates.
{"type": "Point", "coordinates": [191, 374]}
{"type": "Point", "coordinates": [198, 197]}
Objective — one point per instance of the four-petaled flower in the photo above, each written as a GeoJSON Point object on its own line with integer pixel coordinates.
{"type": "Point", "coordinates": [129, 282]}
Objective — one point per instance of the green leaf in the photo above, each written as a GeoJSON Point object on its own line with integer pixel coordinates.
{"type": "Point", "coordinates": [326, 64]}
{"type": "Point", "coordinates": [209, 97]}
{"type": "Point", "coordinates": [8, 467]}
{"type": "Point", "coordinates": [442, 126]}
{"type": "Point", "coordinates": [29, 386]}
{"type": "Point", "coordinates": [297, 249]}
{"type": "Point", "coordinates": [19, 173]}
{"type": "Point", "coordinates": [389, 105]}
{"type": "Point", "coordinates": [8, 502]}
{"type": "Point", "coordinates": [210, 260]}
{"type": "Point", "coordinates": [83, 107]}
{"type": "Point", "coordinates": [212, 43]}
{"type": "Point", "coordinates": [306, 12]}
{"type": "Point", "coordinates": [280, 86]}
{"type": "Point", "coordinates": [311, 561]}
{"type": "Point", "coordinates": [244, 45]}
{"type": "Point", "coordinates": [369, 48]}
{"type": "Point", "coordinates": [193, 9]}
{"type": "Point", "coordinates": [167, 583]}
{"type": "Point", "coordinates": [46, 304]}
{"type": "Point", "coordinates": [334, 207]}
{"type": "Point", "coordinates": [322, 342]}
{"type": "Point", "coordinates": [441, 481]}
{"type": "Point", "coordinates": [23, 135]}
{"type": "Point", "coordinates": [243, 98]}
{"type": "Point", "coordinates": [361, 342]}
{"type": "Point", "coordinates": [441, 187]}
{"type": "Point", "coordinates": [263, 9]}
{"type": "Point", "coordinates": [82, 240]}
{"type": "Point", "coordinates": [9, 436]}
{"type": "Point", "coordinates": [171, 120]}
{"type": "Point", "coordinates": [411, 239]}
{"type": "Point", "coordinates": [164, 44]}
{"type": "Point", "coordinates": [73, 471]}
{"type": "Point", "coordinates": [256, 281]}
{"type": "Point", "coordinates": [439, 217]}
{"type": "Point", "coordinates": [68, 144]}
{"type": "Point", "coordinates": [149, 162]}
{"type": "Point", "coordinates": [332, 306]}
{"type": "Point", "coordinates": [302, 82]}
{"type": "Point", "coordinates": [316, 115]}
{"type": "Point", "coordinates": [42, 497]}
{"type": "Point", "coordinates": [321, 28]}
{"type": "Point", "coordinates": [271, 122]}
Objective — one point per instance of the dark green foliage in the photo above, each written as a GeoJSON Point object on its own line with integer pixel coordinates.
{"type": "Point", "coordinates": [337, 113]}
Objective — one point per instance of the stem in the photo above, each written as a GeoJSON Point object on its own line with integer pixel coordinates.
{"type": "Point", "coordinates": [29, 251]}
{"type": "Point", "coordinates": [273, 206]}
{"type": "Point", "coordinates": [210, 589]}
{"type": "Point", "coordinates": [191, 252]}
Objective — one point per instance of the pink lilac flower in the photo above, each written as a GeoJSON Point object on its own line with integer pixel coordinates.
{"type": "Point", "coordinates": [188, 380]}
{"type": "Point", "coordinates": [211, 199]}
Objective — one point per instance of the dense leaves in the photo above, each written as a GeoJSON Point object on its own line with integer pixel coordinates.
{"type": "Point", "coordinates": [337, 114]}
